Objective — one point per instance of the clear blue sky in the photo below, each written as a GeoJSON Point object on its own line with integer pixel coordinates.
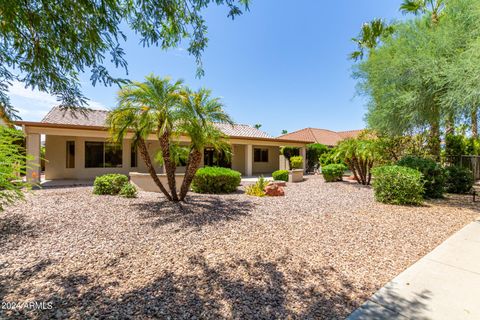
{"type": "Point", "coordinates": [283, 64]}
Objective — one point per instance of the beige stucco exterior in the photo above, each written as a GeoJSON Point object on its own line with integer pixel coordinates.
{"type": "Point", "coordinates": [56, 152]}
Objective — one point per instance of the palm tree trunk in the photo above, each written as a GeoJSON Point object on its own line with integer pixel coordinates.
{"type": "Point", "coordinates": [450, 127]}
{"type": "Point", "coordinates": [151, 169]}
{"type": "Point", "coordinates": [194, 159]}
{"type": "Point", "coordinates": [170, 166]}
{"type": "Point", "coordinates": [474, 122]}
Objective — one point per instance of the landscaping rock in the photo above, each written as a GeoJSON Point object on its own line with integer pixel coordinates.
{"type": "Point", "coordinates": [274, 190]}
{"type": "Point", "coordinates": [278, 183]}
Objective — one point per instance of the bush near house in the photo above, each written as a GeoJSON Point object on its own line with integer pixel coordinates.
{"type": "Point", "coordinates": [458, 179]}
{"type": "Point", "coordinates": [109, 184]}
{"type": "Point", "coordinates": [257, 189]}
{"type": "Point", "coordinates": [280, 175]}
{"type": "Point", "coordinates": [314, 152]}
{"type": "Point", "coordinates": [433, 174]}
{"type": "Point", "coordinates": [128, 191]}
{"type": "Point", "coordinates": [216, 180]}
{"type": "Point", "coordinates": [296, 162]}
{"type": "Point", "coordinates": [333, 172]}
{"type": "Point", "coordinates": [398, 185]}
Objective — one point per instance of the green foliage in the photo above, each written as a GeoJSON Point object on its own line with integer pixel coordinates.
{"type": "Point", "coordinates": [455, 145]}
{"type": "Point", "coordinates": [359, 154]}
{"type": "Point", "coordinates": [109, 184]}
{"type": "Point", "coordinates": [330, 157]}
{"type": "Point", "coordinates": [458, 179]}
{"type": "Point", "coordinates": [47, 43]}
{"type": "Point", "coordinates": [296, 162]}
{"type": "Point", "coordinates": [257, 189]}
{"type": "Point", "coordinates": [12, 166]}
{"type": "Point", "coordinates": [398, 185]}
{"type": "Point", "coordinates": [472, 146]}
{"type": "Point", "coordinates": [432, 172]}
{"type": "Point", "coordinates": [333, 172]}
{"type": "Point", "coordinates": [314, 152]}
{"type": "Point", "coordinates": [128, 191]}
{"type": "Point", "coordinates": [280, 175]}
{"type": "Point", "coordinates": [216, 180]}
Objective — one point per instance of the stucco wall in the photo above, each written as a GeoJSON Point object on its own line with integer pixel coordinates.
{"type": "Point", "coordinates": [238, 158]}
{"type": "Point", "coordinates": [271, 165]}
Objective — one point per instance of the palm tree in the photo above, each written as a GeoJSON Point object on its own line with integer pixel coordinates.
{"type": "Point", "coordinates": [433, 7]}
{"type": "Point", "coordinates": [370, 36]}
{"type": "Point", "coordinates": [152, 106]}
{"type": "Point", "coordinates": [196, 118]}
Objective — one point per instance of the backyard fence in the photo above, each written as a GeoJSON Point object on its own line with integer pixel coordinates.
{"type": "Point", "coordinates": [470, 162]}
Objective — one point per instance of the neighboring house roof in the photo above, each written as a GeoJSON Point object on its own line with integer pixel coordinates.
{"type": "Point", "coordinates": [98, 118]}
{"type": "Point", "coordinates": [323, 136]}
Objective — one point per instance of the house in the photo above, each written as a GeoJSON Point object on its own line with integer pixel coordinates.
{"type": "Point", "coordinates": [77, 146]}
{"type": "Point", "coordinates": [314, 135]}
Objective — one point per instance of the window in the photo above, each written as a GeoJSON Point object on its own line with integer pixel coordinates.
{"type": "Point", "coordinates": [70, 154]}
{"type": "Point", "coordinates": [133, 157]}
{"type": "Point", "coordinates": [260, 155]}
{"type": "Point", "coordinates": [102, 155]}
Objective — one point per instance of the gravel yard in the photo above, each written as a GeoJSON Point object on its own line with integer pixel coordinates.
{"type": "Point", "coordinates": [317, 253]}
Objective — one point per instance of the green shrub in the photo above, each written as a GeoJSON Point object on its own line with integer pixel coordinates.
{"type": "Point", "coordinates": [128, 191]}
{"type": "Point", "coordinates": [109, 183]}
{"type": "Point", "coordinates": [333, 172]}
{"type": "Point", "coordinates": [459, 179]}
{"type": "Point", "coordinates": [216, 180]}
{"type": "Point", "coordinates": [398, 185]}
{"type": "Point", "coordinates": [280, 175]}
{"type": "Point", "coordinates": [296, 162]}
{"type": "Point", "coordinates": [257, 189]}
{"type": "Point", "coordinates": [314, 152]}
{"type": "Point", "coordinates": [432, 172]}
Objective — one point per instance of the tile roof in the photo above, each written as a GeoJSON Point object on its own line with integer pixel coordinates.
{"type": "Point", "coordinates": [97, 118]}
{"type": "Point", "coordinates": [323, 136]}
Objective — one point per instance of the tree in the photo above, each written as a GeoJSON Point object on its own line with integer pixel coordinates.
{"type": "Point", "coordinates": [284, 131]}
{"type": "Point", "coordinates": [12, 166]}
{"type": "Point", "coordinates": [47, 44]}
{"type": "Point", "coordinates": [432, 7]}
{"type": "Point", "coordinates": [169, 110]}
{"type": "Point", "coordinates": [360, 155]}
{"type": "Point", "coordinates": [314, 152]}
{"type": "Point", "coordinates": [196, 116]}
{"type": "Point", "coordinates": [370, 37]}
{"type": "Point", "coordinates": [257, 126]}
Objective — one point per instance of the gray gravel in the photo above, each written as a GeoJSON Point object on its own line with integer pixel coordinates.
{"type": "Point", "coordinates": [319, 252]}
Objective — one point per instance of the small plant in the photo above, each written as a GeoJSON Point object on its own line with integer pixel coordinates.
{"type": "Point", "coordinates": [433, 174]}
{"type": "Point", "coordinates": [257, 189]}
{"type": "Point", "coordinates": [398, 185]}
{"type": "Point", "coordinates": [216, 180]}
{"type": "Point", "coordinates": [458, 179]}
{"type": "Point", "coordinates": [128, 191]}
{"type": "Point", "coordinates": [333, 172]}
{"type": "Point", "coordinates": [109, 183]}
{"type": "Point", "coordinates": [280, 175]}
{"type": "Point", "coordinates": [296, 162]}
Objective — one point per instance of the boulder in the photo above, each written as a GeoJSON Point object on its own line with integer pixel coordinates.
{"type": "Point", "coordinates": [273, 190]}
{"type": "Point", "coordinates": [278, 183]}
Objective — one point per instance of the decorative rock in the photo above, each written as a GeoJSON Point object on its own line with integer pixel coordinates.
{"type": "Point", "coordinates": [278, 183]}
{"type": "Point", "coordinates": [274, 190]}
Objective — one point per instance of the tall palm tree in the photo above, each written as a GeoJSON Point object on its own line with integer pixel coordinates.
{"type": "Point", "coordinates": [370, 36]}
{"type": "Point", "coordinates": [432, 7]}
{"type": "Point", "coordinates": [196, 117]}
{"type": "Point", "coordinates": [153, 104]}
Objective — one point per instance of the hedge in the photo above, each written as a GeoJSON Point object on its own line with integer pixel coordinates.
{"type": "Point", "coordinates": [109, 183]}
{"type": "Point", "coordinates": [433, 174]}
{"type": "Point", "coordinates": [333, 172]}
{"type": "Point", "coordinates": [216, 180]}
{"type": "Point", "coordinates": [280, 175]}
{"type": "Point", "coordinates": [398, 185]}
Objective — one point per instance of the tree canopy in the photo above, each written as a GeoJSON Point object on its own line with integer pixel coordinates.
{"type": "Point", "coordinates": [46, 45]}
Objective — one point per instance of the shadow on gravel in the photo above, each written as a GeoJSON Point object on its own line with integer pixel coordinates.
{"type": "Point", "coordinates": [198, 211]}
{"type": "Point", "coordinates": [14, 226]}
{"type": "Point", "coordinates": [237, 289]}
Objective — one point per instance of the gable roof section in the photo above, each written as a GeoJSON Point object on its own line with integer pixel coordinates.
{"type": "Point", "coordinates": [98, 118]}
{"type": "Point", "coordinates": [323, 136]}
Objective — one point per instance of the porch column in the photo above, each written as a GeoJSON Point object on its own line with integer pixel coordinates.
{"type": "Point", "coordinates": [33, 151]}
{"type": "Point", "coordinates": [248, 159]}
{"type": "Point", "coordinates": [303, 153]}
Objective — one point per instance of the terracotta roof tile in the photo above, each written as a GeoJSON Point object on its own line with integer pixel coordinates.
{"type": "Point", "coordinates": [97, 118]}
{"type": "Point", "coordinates": [323, 136]}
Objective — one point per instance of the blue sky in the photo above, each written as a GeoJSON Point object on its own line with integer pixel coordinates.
{"type": "Point", "coordinates": [282, 65]}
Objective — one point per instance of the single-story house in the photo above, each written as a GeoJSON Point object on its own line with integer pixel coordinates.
{"type": "Point", "coordinates": [77, 146]}
{"type": "Point", "coordinates": [315, 135]}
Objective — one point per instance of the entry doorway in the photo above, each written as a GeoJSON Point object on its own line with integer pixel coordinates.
{"type": "Point", "coordinates": [214, 158]}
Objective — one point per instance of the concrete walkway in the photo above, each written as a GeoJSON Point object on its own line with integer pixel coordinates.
{"type": "Point", "coordinates": [445, 284]}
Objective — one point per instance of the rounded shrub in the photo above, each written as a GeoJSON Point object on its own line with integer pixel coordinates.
{"type": "Point", "coordinates": [333, 172]}
{"type": "Point", "coordinates": [398, 185]}
{"type": "Point", "coordinates": [459, 179]}
{"type": "Point", "coordinates": [280, 175]}
{"type": "Point", "coordinates": [432, 172]}
{"type": "Point", "coordinates": [128, 191]}
{"type": "Point", "coordinates": [109, 183]}
{"type": "Point", "coordinates": [296, 162]}
{"type": "Point", "coordinates": [216, 180]}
